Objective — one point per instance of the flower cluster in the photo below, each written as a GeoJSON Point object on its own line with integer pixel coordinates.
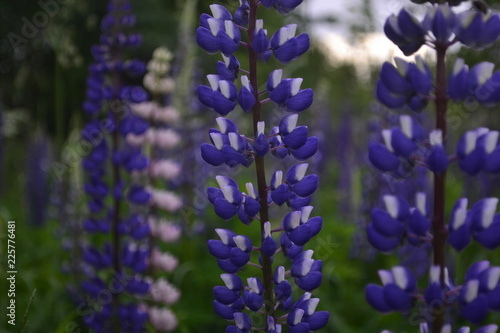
{"type": "Point", "coordinates": [160, 139]}
{"type": "Point", "coordinates": [116, 266]}
{"type": "Point", "coordinates": [407, 146]}
{"type": "Point", "coordinates": [442, 25]}
{"type": "Point", "coordinates": [405, 84]}
{"type": "Point", "coordinates": [270, 295]}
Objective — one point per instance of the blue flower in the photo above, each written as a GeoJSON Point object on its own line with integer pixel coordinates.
{"type": "Point", "coordinates": [476, 29]}
{"type": "Point", "coordinates": [441, 21]}
{"type": "Point", "coordinates": [405, 31]}
{"type": "Point", "coordinates": [253, 295]}
{"type": "Point", "coordinates": [282, 6]}
{"type": "Point", "coordinates": [229, 68]}
{"type": "Point", "coordinates": [286, 47]}
{"type": "Point", "coordinates": [242, 12]}
{"type": "Point", "coordinates": [268, 244]}
{"type": "Point", "coordinates": [131, 259]}
{"type": "Point", "coordinates": [437, 160]}
{"type": "Point", "coordinates": [287, 94]}
{"type": "Point", "coordinates": [227, 147]}
{"type": "Point", "coordinates": [246, 97]}
{"type": "Point", "coordinates": [474, 305]}
{"type": "Point", "coordinates": [434, 293]}
{"type": "Point", "coordinates": [478, 150]}
{"type": "Point", "coordinates": [485, 224]}
{"type": "Point", "coordinates": [243, 323]}
{"type": "Point", "coordinates": [220, 96]}
{"type": "Point", "coordinates": [459, 227]}
{"type": "Point", "coordinates": [299, 227]}
{"type": "Point", "coordinates": [407, 84]}
{"type": "Point", "coordinates": [482, 83]}
{"type": "Point", "coordinates": [388, 225]}
{"type": "Point", "coordinates": [307, 271]}
{"type": "Point", "coordinates": [303, 316]}
{"type": "Point", "coordinates": [232, 251]}
{"type": "Point", "coordinates": [296, 189]}
{"type": "Point", "coordinates": [260, 43]}
{"type": "Point", "coordinates": [282, 289]}
{"type": "Point", "coordinates": [419, 223]}
{"type": "Point", "coordinates": [271, 326]}
{"type": "Point", "coordinates": [396, 294]}
{"type": "Point", "coordinates": [457, 81]}
{"type": "Point", "coordinates": [290, 249]}
{"type": "Point", "coordinates": [227, 199]}
{"type": "Point", "coordinates": [218, 33]}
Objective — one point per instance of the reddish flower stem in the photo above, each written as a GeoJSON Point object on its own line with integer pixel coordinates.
{"type": "Point", "coordinates": [267, 272]}
{"type": "Point", "coordinates": [438, 223]}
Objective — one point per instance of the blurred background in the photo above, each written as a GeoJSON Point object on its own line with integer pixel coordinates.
{"type": "Point", "coordinates": [43, 69]}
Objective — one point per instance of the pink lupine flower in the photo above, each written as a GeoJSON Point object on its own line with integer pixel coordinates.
{"type": "Point", "coordinates": [162, 319]}
{"type": "Point", "coordinates": [163, 260]}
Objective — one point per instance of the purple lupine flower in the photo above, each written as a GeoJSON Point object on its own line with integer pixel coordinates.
{"type": "Point", "coordinates": [411, 85]}
{"type": "Point", "coordinates": [124, 254]}
{"type": "Point", "coordinates": [403, 147]}
{"type": "Point", "coordinates": [286, 47]}
{"type": "Point", "coordinates": [407, 84]}
{"type": "Point", "coordinates": [395, 294]}
{"type": "Point", "coordinates": [388, 225]}
{"type": "Point", "coordinates": [269, 295]}
{"type": "Point", "coordinates": [405, 31]}
{"type": "Point", "coordinates": [437, 160]}
{"type": "Point", "coordinates": [480, 291]}
{"type": "Point", "coordinates": [476, 29]}
{"type": "Point", "coordinates": [218, 32]}
{"type": "Point", "coordinates": [287, 94]}
{"type": "Point", "coordinates": [283, 7]}
{"type": "Point", "coordinates": [478, 150]}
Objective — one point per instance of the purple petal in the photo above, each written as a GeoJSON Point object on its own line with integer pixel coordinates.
{"type": "Point", "coordinates": [297, 138]}
{"type": "Point", "coordinates": [396, 298]}
{"type": "Point", "coordinates": [300, 102]}
{"type": "Point", "coordinates": [306, 186]}
{"type": "Point", "coordinates": [211, 155]}
{"type": "Point", "coordinates": [380, 242]}
{"type": "Point", "coordinates": [224, 311]}
{"type": "Point", "coordinates": [224, 209]}
{"type": "Point", "coordinates": [309, 282]}
{"type": "Point", "coordinates": [307, 150]}
{"type": "Point", "coordinates": [393, 81]}
{"type": "Point", "coordinates": [375, 297]}
{"type": "Point", "coordinates": [206, 40]}
{"type": "Point", "coordinates": [385, 224]}
{"type": "Point", "coordinates": [218, 249]}
{"type": "Point", "coordinates": [205, 95]}
{"type": "Point", "coordinates": [382, 158]}
{"type": "Point", "coordinates": [225, 295]}
{"type": "Point", "coordinates": [388, 98]}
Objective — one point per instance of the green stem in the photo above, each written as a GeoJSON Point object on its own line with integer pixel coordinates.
{"type": "Point", "coordinates": [438, 223]}
{"type": "Point", "coordinates": [267, 272]}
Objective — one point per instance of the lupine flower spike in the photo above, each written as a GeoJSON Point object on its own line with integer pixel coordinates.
{"type": "Point", "coordinates": [118, 263]}
{"type": "Point", "coordinates": [267, 293]}
{"type": "Point", "coordinates": [408, 86]}
{"type": "Point", "coordinates": [160, 140]}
